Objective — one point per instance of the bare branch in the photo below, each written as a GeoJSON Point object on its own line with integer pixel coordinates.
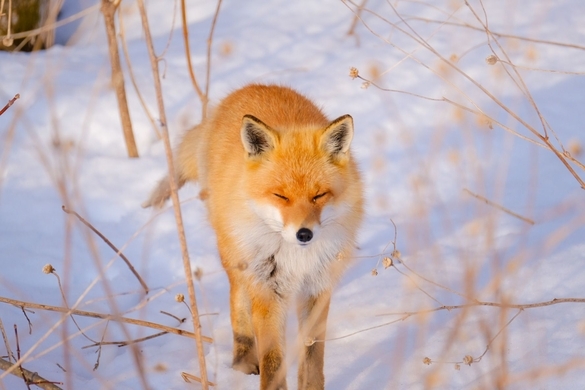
{"type": "Point", "coordinates": [109, 317]}
{"type": "Point", "coordinates": [500, 207]}
{"type": "Point", "coordinates": [118, 252]}
{"type": "Point", "coordinates": [200, 93]}
{"type": "Point", "coordinates": [29, 377]}
{"type": "Point", "coordinates": [10, 103]}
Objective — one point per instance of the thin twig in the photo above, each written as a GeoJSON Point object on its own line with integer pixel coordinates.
{"type": "Point", "coordinates": [131, 74]}
{"type": "Point", "coordinates": [188, 377]}
{"type": "Point", "coordinates": [21, 370]}
{"type": "Point", "coordinates": [499, 207]}
{"type": "Point", "coordinates": [416, 37]}
{"type": "Point", "coordinates": [443, 99]}
{"type": "Point", "coordinates": [99, 351]}
{"type": "Point", "coordinates": [128, 342]}
{"type": "Point", "coordinates": [478, 359]}
{"type": "Point", "coordinates": [108, 242]}
{"type": "Point", "coordinates": [499, 34]}
{"type": "Point", "coordinates": [502, 305]}
{"type": "Point", "coordinates": [124, 343]}
{"type": "Point", "coordinates": [200, 93]}
{"type": "Point", "coordinates": [10, 103]}
{"type": "Point", "coordinates": [28, 320]}
{"type": "Point", "coordinates": [109, 317]}
{"type": "Point", "coordinates": [49, 268]}
{"type": "Point", "coordinates": [5, 338]}
{"type": "Point", "coordinates": [541, 70]}
{"type": "Point", "coordinates": [174, 195]}
{"type": "Point", "coordinates": [29, 377]}
{"type": "Point", "coordinates": [208, 67]}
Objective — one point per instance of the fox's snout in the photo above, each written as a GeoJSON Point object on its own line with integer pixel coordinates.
{"type": "Point", "coordinates": [304, 235]}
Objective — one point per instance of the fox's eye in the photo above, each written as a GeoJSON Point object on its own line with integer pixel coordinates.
{"type": "Point", "coordinates": [316, 197]}
{"type": "Point", "coordinates": [281, 197]}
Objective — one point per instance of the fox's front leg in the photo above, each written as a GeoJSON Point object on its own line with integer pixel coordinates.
{"type": "Point", "coordinates": [269, 318]}
{"type": "Point", "coordinates": [245, 355]}
{"type": "Point", "coordinates": [312, 313]}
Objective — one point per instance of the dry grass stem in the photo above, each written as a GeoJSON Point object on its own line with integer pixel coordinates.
{"type": "Point", "coordinates": [132, 78]}
{"type": "Point", "coordinates": [498, 34]}
{"type": "Point", "coordinates": [200, 93]}
{"type": "Point", "coordinates": [9, 353]}
{"type": "Point", "coordinates": [18, 363]}
{"type": "Point", "coordinates": [208, 66]}
{"type": "Point", "coordinates": [174, 195]}
{"type": "Point", "coordinates": [109, 317]}
{"type": "Point", "coordinates": [10, 103]}
{"type": "Point", "coordinates": [502, 305]}
{"type": "Point", "coordinates": [421, 41]}
{"type": "Point", "coordinates": [109, 243]}
{"type": "Point", "coordinates": [188, 377]}
{"type": "Point", "coordinates": [499, 207]}
{"type": "Point", "coordinates": [28, 376]}
{"type": "Point", "coordinates": [109, 9]}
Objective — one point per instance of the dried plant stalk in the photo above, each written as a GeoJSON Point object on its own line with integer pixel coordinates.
{"type": "Point", "coordinates": [109, 317]}
{"type": "Point", "coordinates": [109, 10]}
{"type": "Point", "coordinates": [175, 197]}
{"type": "Point", "coordinates": [30, 377]}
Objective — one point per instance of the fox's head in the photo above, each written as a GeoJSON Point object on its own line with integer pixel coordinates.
{"type": "Point", "coordinates": [298, 178]}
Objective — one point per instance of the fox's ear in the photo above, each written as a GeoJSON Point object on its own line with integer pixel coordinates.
{"type": "Point", "coordinates": [337, 137]}
{"type": "Point", "coordinates": [257, 137]}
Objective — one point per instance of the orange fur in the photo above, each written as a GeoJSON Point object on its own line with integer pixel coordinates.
{"type": "Point", "coordinates": [285, 199]}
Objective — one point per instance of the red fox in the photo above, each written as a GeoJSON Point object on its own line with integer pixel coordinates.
{"type": "Point", "coordinates": [284, 197]}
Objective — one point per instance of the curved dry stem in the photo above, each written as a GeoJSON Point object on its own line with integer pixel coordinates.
{"type": "Point", "coordinates": [109, 317]}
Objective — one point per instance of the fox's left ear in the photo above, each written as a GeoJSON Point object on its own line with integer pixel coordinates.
{"type": "Point", "coordinates": [337, 137]}
{"type": "Point", "coordinates": [257, 137]}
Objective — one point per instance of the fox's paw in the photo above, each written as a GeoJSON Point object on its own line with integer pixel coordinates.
{"type": "Point", "coordinates": [247, 368]}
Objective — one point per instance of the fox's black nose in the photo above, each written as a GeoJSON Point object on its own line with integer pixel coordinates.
{"type": "Point", "coordinates": [304, 235]}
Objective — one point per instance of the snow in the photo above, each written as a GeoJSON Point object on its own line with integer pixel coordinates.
{"type": "Point", "coordinates": [61, 143]}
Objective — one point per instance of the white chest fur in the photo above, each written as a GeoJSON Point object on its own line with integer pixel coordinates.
{"type": "Point", "coordinates": [289, 267]}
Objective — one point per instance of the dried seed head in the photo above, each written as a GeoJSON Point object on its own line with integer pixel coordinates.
{"type": "Point", "coordinates": [491, 59]}
{"type": "Point", "coordinates": [396, 254]}
{"type": "Point", "coordinates": [374, 272]}
{"type": "Point", "coordinates": [468, 360]}
{"type": "Point", "coordinates": [180, 298]}
{"type": "Point", "coordinates": [198, 273]}
{"type": "Point", "coordinates": [387, 262]}
{"type": "Point", "coordinates": [427, 361]}
{"type": "Point", "coordinates": [365, 84]}
{"type": "Point", "coordinates": [48, 269]}
{"type": "Point", "coordinates": [8, 41]}
{"type": "Point", "coordinates": [353, 72]}
{"type": "Point", "coordinates": [457, 367]}
{"type": "Point", "coordinates": [309, 341]}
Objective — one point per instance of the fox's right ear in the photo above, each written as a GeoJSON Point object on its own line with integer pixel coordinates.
{"type": "Point", "coordinates": [257, 137]}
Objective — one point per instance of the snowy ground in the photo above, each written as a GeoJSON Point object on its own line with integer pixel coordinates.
{"type": "Point", "coordinates": [61, 143]}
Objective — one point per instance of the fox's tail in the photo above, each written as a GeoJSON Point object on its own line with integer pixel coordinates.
{"type": "Point", "coordinates": [185, 169]}
{"type": "Point", "coordinates": [161, 193]}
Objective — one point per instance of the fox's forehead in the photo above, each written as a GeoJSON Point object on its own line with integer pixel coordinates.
{"type": "Point", "coordinates": [302, 175]}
